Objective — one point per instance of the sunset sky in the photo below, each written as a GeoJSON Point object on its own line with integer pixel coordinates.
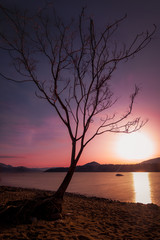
{"type": "Point", "coordinates": [31, 133]}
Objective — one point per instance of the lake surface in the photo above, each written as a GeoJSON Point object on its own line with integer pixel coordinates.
{"type": "Point", "coordinates": [132, 187]}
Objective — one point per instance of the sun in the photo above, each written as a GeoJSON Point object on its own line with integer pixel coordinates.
{"type": "Point", "coordinates": [135, 146]}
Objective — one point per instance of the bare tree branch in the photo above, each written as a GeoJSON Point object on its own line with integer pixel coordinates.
{"type": "Point", "coordinates": [79, 61]}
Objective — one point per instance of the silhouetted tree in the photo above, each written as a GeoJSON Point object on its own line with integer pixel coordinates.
{"type": "Point", "coordinates": [80, 62]}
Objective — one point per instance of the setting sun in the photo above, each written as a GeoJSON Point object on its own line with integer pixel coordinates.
{"type": "Point", "coordinates": [135, 146]}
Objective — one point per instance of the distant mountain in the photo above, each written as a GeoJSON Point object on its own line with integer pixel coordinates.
{"type": "Point", "coordinates": [92, 165]}
{"type": "Point", "coordinates": [88, 167]}
{"type": "Point", "coordinates": [151, 165]}
{"type": "Point", "coordinates": [11, 169]}
{"type": "Point", "coordinates": [151, 161]}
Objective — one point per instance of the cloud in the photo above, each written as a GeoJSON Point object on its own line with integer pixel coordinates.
{"type": "Point", "coordinates": [7, 156]}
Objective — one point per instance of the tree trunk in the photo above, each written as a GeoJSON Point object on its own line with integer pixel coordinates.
{"type": "Point", "coordinates": [61, 190]}
{"type": "Point", "coordinates": [46, 207]}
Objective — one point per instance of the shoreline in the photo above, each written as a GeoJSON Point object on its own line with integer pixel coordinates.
{"type": "Point", "coordinates": [86, 218]}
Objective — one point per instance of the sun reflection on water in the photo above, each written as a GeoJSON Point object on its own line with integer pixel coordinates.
{"type": "Point", "coordinates": [142, 187]}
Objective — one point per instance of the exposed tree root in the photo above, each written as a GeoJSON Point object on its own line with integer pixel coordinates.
{"type": "Point", "coordinates": [29, 210]}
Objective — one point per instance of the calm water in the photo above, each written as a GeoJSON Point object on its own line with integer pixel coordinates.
{"type": "Point", "coordinates": [132, 187]}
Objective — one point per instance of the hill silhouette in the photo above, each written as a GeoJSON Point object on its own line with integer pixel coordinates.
{"type": "Point", "coordinates": [11, 169]}
{"type": "Point", "coordinates": [154, 160]}
{"type": "Point", "coordinates": [151, 165]}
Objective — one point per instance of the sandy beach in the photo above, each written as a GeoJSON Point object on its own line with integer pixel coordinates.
{"type": "Point", "coordinates": [85, 218]}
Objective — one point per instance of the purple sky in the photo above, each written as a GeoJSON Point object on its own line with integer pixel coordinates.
{"type": "Point", "coordinates": [30, 131]}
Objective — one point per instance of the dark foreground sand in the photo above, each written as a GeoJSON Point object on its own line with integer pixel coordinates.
{"type": "Point", "coordinates": [86, 218]}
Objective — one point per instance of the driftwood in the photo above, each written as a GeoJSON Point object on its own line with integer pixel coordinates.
{"type": "Point", "coordinates": [30, 210]}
